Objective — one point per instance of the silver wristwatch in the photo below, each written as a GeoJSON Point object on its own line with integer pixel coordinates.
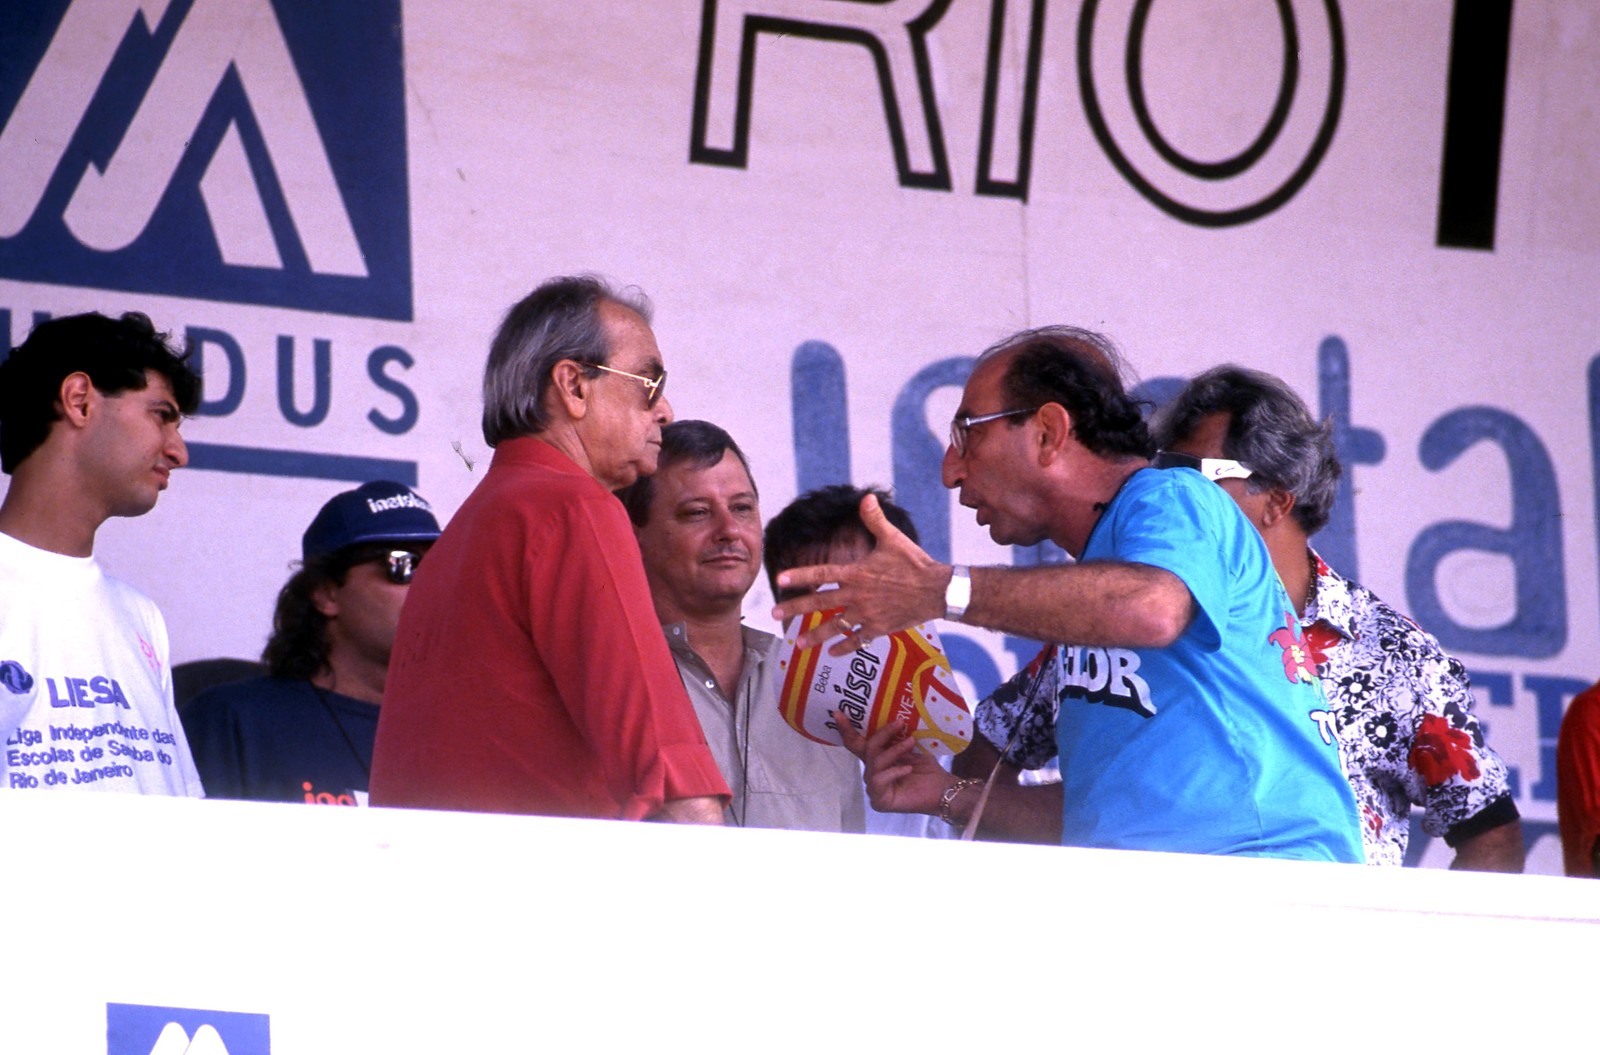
{"type": "Point", "coordinates": [959, 593]}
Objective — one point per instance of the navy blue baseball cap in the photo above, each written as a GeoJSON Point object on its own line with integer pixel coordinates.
{"type": "Point", "coordinates": [382, 511]}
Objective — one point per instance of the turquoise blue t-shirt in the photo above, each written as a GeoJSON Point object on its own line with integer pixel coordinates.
{"type": "Point", "coordinates": [1220, 742]}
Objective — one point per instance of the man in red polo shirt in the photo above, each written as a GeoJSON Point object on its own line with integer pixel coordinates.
{"type": "Point", "coordinates": [529, 673]}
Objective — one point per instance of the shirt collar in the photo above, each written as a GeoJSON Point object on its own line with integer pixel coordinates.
{"type": "Point", "coordinates": [755, 641]}
{"type": "Point", "coordinates": [531, 450]}
{"type": "Point", "coordinates": [1333, 603]}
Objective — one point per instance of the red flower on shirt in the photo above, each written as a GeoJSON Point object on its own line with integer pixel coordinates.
{"type": "Point", "coordinates": [1297, 665]}
{"type": "Point", "coordinates": [1037, 663]}
{"type": "Point", "coordinates": [1320, 639]}
{"type": "Point", "coordinates": [1440, 752]}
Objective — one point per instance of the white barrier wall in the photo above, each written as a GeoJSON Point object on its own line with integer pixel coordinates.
{"type": "Point", "coordinates": [302, 931]}
{"type": "Point", "coordinates": [835, 204]}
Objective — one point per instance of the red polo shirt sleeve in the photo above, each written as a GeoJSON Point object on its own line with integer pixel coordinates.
{"type": "Point", "coordinates": [592, 605]}
{"type": "Point", "coordinates": [1578, 782]}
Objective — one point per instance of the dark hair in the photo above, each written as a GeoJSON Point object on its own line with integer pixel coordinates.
{"type": "Point", "coordinates": [802, 533]}
{"type": "Point", "coordinates": [1269, 429]}
{"type": "Point", "coordinates": [699, 443]}
{"type": "Point", "coordinates": [115, 353]}
{"type": "Point", "coordinates": [1082, 371]}
{"type": "Point", "coordinates": [298, 648]}
{"type": "Point", "coordinates": [559, 320]}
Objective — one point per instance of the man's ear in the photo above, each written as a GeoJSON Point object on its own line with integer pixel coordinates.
{"type": "Point", "coordinates": [1279, 505]}
{"type": "Point", "coordinates": [76, 396]}
{"type": "Point", "coordinates": [1055, 428]}
{"type": "Point", "coordinates": [324, 601]}
{"type": "Point", "coordinates": [570, 388]}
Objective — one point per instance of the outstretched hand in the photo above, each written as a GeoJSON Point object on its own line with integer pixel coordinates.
{"type": "Point", "coordinates": [900, 777]}
{"type": "Point", "coordinates": [895, 586]}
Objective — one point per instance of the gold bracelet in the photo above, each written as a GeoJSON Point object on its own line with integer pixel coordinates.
{"type": "Point", "coordinates": [949, 797]}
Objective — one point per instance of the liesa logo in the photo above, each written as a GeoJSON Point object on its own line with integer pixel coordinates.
{"type": "Point", "coordinates": [137, 1029]}
{"type": "Point", "coordinates": [236, 150]}
{"type": "Point", "coordinates": [15, 677]}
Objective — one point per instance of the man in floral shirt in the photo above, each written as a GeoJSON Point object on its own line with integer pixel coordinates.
{"type": "Point", "coordinates": [1398, 703]}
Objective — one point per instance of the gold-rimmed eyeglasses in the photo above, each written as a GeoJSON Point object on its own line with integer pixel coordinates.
{"type": "Point", "coordinates": [652, 385]}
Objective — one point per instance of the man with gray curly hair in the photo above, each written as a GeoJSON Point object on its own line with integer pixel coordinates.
{"type": "Point", "coordinates": [1400, 705]}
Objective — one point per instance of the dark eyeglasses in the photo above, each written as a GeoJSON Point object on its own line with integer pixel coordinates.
{"type": "Point", "coordinates": [652, 385]}
{"type": "Point", "coordinates": [1214, 469]}
{"type": "Point", "coordinates": [961, 427]}
{"type": "Point", "coordinates": [399, 565]}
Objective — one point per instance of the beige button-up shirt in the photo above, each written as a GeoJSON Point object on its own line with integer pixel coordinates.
{"type": "Point", "coordinates": [779, 779]}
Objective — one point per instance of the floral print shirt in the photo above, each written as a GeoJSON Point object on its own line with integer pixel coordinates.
{"type": "Point", "coordinates": [1401, 710]}
{"type": "Point", "coordinates": [1019, 717]}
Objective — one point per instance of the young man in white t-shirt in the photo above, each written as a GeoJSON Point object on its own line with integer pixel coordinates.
{"type": "Point", "coordinates": [89, 414]}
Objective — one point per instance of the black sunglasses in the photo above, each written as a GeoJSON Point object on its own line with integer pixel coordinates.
{"type": "Point", "coordinates": [399, 565]}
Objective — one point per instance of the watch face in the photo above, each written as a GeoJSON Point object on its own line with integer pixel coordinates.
{"type": "Point", "coordinates": [959, 593]}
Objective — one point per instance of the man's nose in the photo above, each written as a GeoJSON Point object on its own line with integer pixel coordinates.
{"type": "Point", "coordinates": [953, 469]}
{"type": "Point", "coordinates": [177, 451]}
{"type": "Point", "coordinates": [663, 409]}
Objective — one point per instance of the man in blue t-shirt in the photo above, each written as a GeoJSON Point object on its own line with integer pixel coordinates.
{"type": "Point", "coordinates": [304, 733]}
{"type": "Point", "coordinates": [1190, 719]}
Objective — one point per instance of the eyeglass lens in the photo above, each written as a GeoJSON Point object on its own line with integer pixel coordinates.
{"type": "Point", "coordinates": [958, 436]}
{"type": "Point", "coordinates": [401, 565]}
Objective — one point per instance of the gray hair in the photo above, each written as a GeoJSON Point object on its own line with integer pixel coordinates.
{"type": "Point", "coordinates": [559, 320]}
{"type": "Point", "coordinates": [1270, 430]}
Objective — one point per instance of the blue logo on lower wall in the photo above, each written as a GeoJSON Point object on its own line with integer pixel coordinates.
{"type": "Point", "coordinates": [139, 1029]}
{"type": "Point", "coordinates": [251, 151]}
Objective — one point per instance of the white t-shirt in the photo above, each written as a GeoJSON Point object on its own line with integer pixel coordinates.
{"type": "Point", "coordinates": [85, 687]}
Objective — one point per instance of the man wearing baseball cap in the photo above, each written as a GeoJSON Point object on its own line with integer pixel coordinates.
{"type": "Point", "coordinates": [304, 732]}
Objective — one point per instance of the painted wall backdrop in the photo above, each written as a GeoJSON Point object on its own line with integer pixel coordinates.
{"type": "Point", "coordinates": [835, 205]}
